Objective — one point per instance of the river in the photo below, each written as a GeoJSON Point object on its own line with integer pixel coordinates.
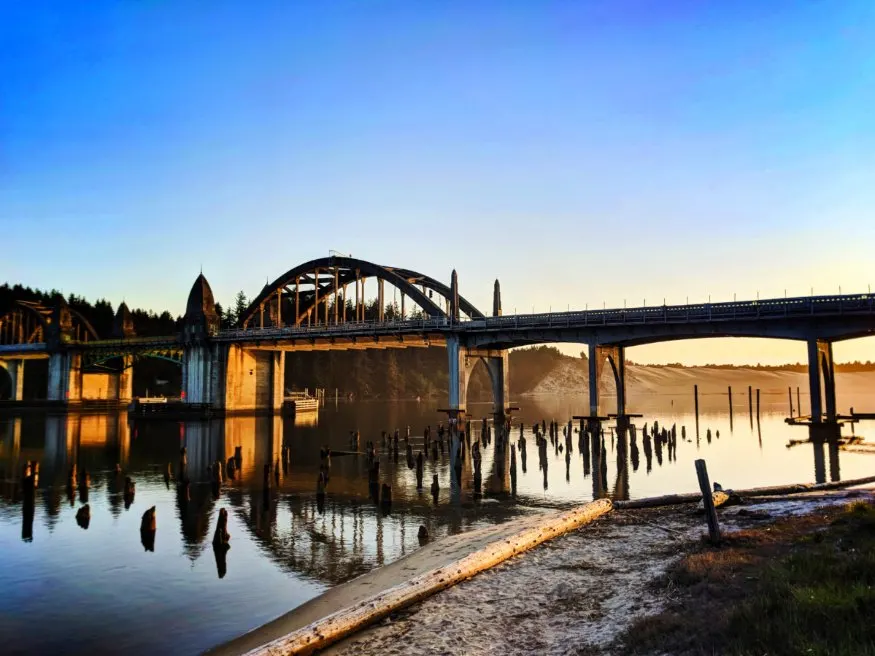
{"type": "Point", "coordinates": [75, 589]}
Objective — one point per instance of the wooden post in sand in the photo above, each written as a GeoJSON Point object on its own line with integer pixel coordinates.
{"type": "Point", "coordinates": [696, 400]}
{"type": "Point", "coordinates": [758, 403]}
{"type": "Point", "coordinates": [708, 501]}
{"type": "Point", "coordinates": [790, 395]}
{"type": "Point", "coordinates": [729, 388]}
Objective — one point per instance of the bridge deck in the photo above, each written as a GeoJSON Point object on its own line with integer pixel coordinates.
{"type": "Point", "coordinates": [639, 324]}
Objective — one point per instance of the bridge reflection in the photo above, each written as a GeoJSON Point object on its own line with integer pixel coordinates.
{"type": "Point", "coordinates": [325, 540]}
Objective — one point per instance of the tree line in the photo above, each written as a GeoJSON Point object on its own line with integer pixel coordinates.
{"type": "Point", "coordinates": [385, 374]}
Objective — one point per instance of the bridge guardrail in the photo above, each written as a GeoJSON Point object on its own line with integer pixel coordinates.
{"type": "Point", "coordinates": [664, 314]}
{"type": "Point", "coordinates": [730, 311]}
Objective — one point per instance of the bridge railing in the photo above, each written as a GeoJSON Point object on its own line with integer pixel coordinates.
{"type": "Point", "coordinates": [697, 312]}
{"type": "Point", "coordinates": [765, 309]}
{"type": "Point", "coordinates": [350, 327]}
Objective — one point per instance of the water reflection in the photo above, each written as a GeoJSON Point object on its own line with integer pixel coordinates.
{"type": "Point", "coordinates": [303, 508]}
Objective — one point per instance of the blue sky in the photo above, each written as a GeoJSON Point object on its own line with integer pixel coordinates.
{"type": "Point", "coordinates": [582, 152]}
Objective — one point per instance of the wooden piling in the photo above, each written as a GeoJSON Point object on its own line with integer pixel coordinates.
{"type": "Point", "coordinates": [708, 500]}
{"type": "Point", "coordinates": [790, 395]}
{"type": "Point", "coordinates": [696, 400]}
{"type": "Point", "coordinates": [758, 403]}
{"type": "Point", "coordinates": [730, 399]}
{"type": "Point", "coordinates": [798, 402]}
{"type": "Point", "coordinates": [750, 399]}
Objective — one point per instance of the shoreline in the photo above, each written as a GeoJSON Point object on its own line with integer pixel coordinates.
{"type": "Point", "coordinates": [354, 602]}
{"type": "Point", "coordinates": [580, 593]}
{"type": "Point", "coordinates": [438, 553]}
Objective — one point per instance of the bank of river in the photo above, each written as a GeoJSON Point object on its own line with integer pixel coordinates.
{"type": "Point", "coordinates": [102, 590]}
{"type": "Point", "coordinates": [576, 594]}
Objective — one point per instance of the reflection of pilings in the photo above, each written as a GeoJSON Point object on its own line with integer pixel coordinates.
{"type": "Point", "coordinates": [621, 487]}
{"type": "Point", "coordinates": [819, 462]}
{"type": "Point", "coordinates": [584, 449]}
{"type": "Point", "coordinates": [499, 478]}
{"type": "Point", "coordinates": [599, 467]}
{"type": "Point", "coordinates": [27, 514]}
{"type": "Point", "coordinates": [833, 450]}
{"type": "Point", "coordinates": [648, 453]}
{"type": "Point", "coordinates": [634, 451]}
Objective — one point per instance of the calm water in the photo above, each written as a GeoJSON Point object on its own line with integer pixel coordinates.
{"type": "Point", "coordinates": [97, 589]}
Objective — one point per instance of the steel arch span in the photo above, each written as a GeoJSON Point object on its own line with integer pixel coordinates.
{"type": "Point", "coordinates": [31, 322]}
{"type": "Point", "coordinates": [317, 292]}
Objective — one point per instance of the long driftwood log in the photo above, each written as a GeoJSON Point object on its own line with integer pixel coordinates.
{"type": "Point", "coordinates": [694, 497]}
{"type": "Point", "coordinates": [336, 626]}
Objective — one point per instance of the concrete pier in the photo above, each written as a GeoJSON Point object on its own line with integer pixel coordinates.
{"type": "Point", "coordinates": [15, 371]}
{"type": "Point", "coordinates": [461, 363]}
{"type": "Point", "coordinates": [820, 365]}
{"type": "Point", "coordinates": [616, 356]}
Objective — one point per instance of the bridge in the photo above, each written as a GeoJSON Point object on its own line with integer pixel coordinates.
{"type": "Point", "coordinates": [310, 307]}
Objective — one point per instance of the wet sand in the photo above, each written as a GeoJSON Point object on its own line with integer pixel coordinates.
{"type": "Point", "coordinates": [431, 556]}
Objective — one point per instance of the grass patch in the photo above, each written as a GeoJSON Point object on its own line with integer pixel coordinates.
{"type": "Point", "coordinates": [805, 585]}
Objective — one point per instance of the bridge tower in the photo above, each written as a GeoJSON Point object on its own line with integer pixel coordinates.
{"type": "Point", "coordinates": [123, 328]}
{"type": "Point", "coordinates": [226, 376]}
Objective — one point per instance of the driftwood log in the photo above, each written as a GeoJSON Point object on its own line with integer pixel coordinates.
{"type": "Point", "coordinates": [798, 488]}
{"type": "Point", "coordinates": [337, 626]}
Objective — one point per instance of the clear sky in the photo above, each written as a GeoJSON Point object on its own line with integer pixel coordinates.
{"type": "Point", "coordinates": [582, 152]}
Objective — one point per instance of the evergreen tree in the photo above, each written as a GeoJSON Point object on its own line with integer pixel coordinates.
{"type": "Point", "coordinates": [240, 305]}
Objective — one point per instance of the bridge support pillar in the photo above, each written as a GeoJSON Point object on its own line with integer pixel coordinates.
{"type": "Point", "coordinates": [458, 371]}
{"type": "Point", "coordinates": [65, 377]}
{"type": "Point", "coordinates": [126, 379]}
{"type": "Point", "coordinates": [15, 369]}
{"type": "Point", "coordinates": [462, 361]}
{"type": "Point", "coordinates": [820, 364]}
{"type": "Point", "coordinates": [496, 364]}
{"type": "Point", "coordinates": [277, 381]}
{"type": "Point", "coordinates": [616, 356]}
{"type": "Point", "coordinates": [233, 378]}
{"type": "Point", "coordinates": [200, 372]}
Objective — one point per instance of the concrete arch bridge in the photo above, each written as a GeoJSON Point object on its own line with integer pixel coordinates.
{"type": "Point", "coordinates": [321, 305]}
